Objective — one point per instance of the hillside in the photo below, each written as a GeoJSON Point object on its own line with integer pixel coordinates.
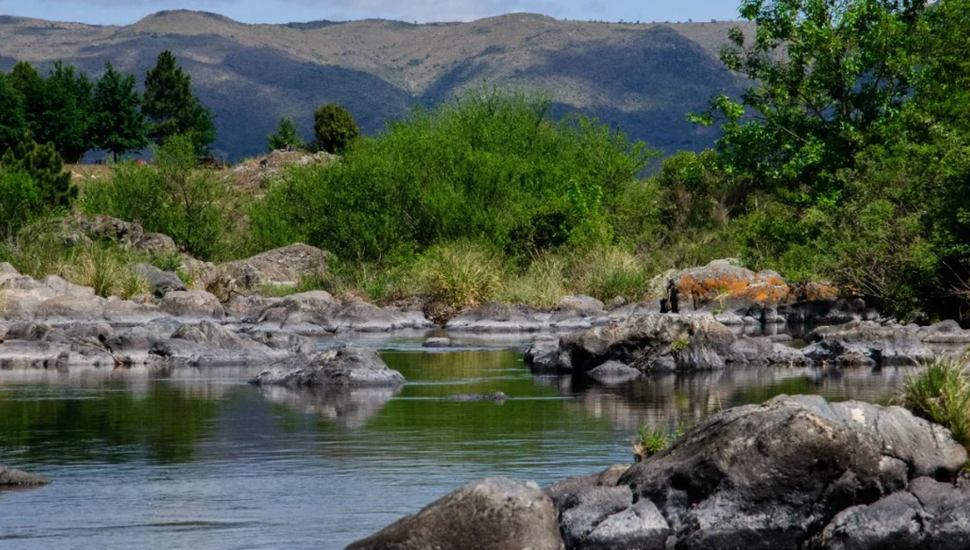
{"type": "Point", "coordinates": [643, 78]}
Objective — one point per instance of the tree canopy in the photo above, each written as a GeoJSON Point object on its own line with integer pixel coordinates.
{"type": "Point", "coordinates": [171, 107]}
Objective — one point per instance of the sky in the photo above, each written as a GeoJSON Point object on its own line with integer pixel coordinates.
{"type": "Point", "coordinates": [122, 12]}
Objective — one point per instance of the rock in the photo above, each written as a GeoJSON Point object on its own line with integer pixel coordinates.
{"type": "Point", "coordinates": [192, 304]}
{"type": "Point", "coordinates": [346, 407]}
{"type": "Point", "coordinates": [868, 344]}
{"type": "Point", "coordinates": [281, 266]}
{"type": "Point", "coordinates": [208, 345]}
{"type": "Point", "coordinates": [497, 317]}
{"type": "Point", "coordinates": [437, 343]}
{"type": "Point", "coordinates": [721, 285]}
{"type": "Point", "coordinates": [667, 342]}
{"type": "Point", "coordinates": [161, 282]}
{"type": "Point", "coordinates": [613, 373]}
{"type": "Point", "coordinates": [156, 244]}
{"type": "Point", "coordinates": [496, 397]}
{"type": "Point", "coordinates": [543, 357]}
{"type": "Point", "coordinates": [772, 476]}
{"type": "Point", "coordinates": [342, 366]}
{"type": "Point", "coordinates": [493, 514]}
{"type": "Point", "coordinates": [72, 307]}
{"type": "Point", "coordinates": [286, 342]}
{"type": "Point", "coordinates": [11, 477]}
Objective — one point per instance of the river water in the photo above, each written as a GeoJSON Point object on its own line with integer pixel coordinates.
{"type": "Point", "coordinates": [198, 459]}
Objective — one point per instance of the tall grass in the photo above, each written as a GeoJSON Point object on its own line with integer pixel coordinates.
{"type": "Point", "coordinates": [941, 394]}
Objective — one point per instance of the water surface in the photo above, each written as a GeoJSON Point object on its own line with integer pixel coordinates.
{"type": "Point", "coordinates": [198, 459]}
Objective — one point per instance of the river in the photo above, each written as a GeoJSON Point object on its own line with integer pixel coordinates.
{"type": "Point", "coordinates": [198, 459]}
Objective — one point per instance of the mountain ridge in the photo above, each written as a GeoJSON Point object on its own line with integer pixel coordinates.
{"type": "Point", "coordinates": [640, 77]}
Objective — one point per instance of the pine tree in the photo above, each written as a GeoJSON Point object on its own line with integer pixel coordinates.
{"type": "Point", "coordinates": [30, 85]}
{"type": "Point", "coordinates": [46, 168]}
{"type": "Point", "coordinates": [284, 136]}
{"type": "Point", "coordinates": [171, 108]}
{"type": "Point", "coordinates": [334, 128]}
{"type": "Point", "coordinates": [13, 118]}
{"type": "Point", "coordinates": [119, 125]}
{"type": "Point", "coordinates": [66, 112]}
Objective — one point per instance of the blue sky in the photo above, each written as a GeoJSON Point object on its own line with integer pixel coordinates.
{"type": "Point", "coordinates": [116, 12]}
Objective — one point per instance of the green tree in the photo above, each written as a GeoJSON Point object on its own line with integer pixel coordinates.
{"type": "Point", "coordinates": [45, 168]}
{"type": "Point", "coordinates": [334, 128]}
{"type": "Point", "coordinates": [30, 84]}
{"type": "Point", "coordinates": [67, 112]}
{"type": "Point", "coordinates": [284, 136]}
{"type": "Point", "coordinates": [13, 117]}
{"type": "Point", "coordinates": [172, 109]}
{"type": "Point", "coordinates": [19, 201]}
{"type": "Point", "coordinates": [119, 125]}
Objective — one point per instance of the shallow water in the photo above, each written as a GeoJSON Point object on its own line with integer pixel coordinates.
{"type": "Point", "coordinates": [200, 460]}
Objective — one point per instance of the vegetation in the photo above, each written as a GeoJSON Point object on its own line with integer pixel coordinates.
{"type": "Point", "coordinates": [941, 394]}
{"type": "Point", "coordinates": [119, 125]}
{"type": "Point", "coordinates": [172, 109]}
{"type": "Point", "coordinates": [334, 127]}
{"type": "Point", "coordinates": [284, 136]}
{"type": "Point", "coordinates": [650, 441]}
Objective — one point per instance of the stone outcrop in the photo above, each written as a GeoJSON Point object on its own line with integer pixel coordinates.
{"type": "Point", "coordinates": [345, 366]}
{"type": "Point", "coordinates": [660, 343]}
{"type": "Point", "coordinates": [493, 514]}
{"type": "Point", "coordinates": [280, 267]}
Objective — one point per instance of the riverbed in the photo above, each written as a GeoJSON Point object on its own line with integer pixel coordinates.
{"type": "Point", "coordinates": [199, 459]}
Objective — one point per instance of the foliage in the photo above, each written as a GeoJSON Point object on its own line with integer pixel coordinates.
{"type": "Point", "coordinates": [490, 167]}
{"type": "Point", "coordinates": [104, 269]}
{"type": "Point", "coordinates": [65, 115]}
{"type": "Point", "coordinates": [119, 125]}
{"type": "Point", "coordinates": [941, 394]}
{"type": "Point", "coordinates": [284, 136]}
{"type": "Point", "coordinates": [13, 119]}
{"type": "Point", "coordinates": [462, 274]}
{"type": "Point", "coordinates": [650, 441]}
{"type": "Point", "coordinates": [20, 201]}
{"type": "Point", "coordinates": [334, 128]}
{"type": "Point", "coordinates": [172, 109]}
{"type": "Point", "coordinates": [192, 206]}
{"type": "Point", "coordinates": [46, 169]}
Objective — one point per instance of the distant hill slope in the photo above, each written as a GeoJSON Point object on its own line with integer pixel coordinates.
{"type": "Point", "coordinates": [643, 78]}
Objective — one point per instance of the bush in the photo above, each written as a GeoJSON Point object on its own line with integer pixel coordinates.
{"type": "Point", "coordinates": [461, 274]}
{"type": "Point", "coordinates": [606, 273]}
{"type": "Point", "coordinates": [45, 168]}
{"type": "Point", "coordinates": [941, 394]}
{"type": "Point", "coordinates": [193, 206]}
{"type": "Point", "coordinates": [284, 136]}
{"type": "Point", "coordinates": [20, 201]}
{"type": "Point", "coordinates": [334, 128]}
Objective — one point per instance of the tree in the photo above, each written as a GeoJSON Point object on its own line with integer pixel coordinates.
{"type": "Point", "coordinates": [119, 125]}
{"type": "Point", "coordinates": [30, 85]}
{"type": "Point", "coordinates": [284, 136]}
{"type": "Point", "coordinates": [171, 108]}
{"type": "Point", "coordinates": [334, 128]}
{"type": "Point", "coordinates": [45, 167]}
{"type": "Point", "coordinates": [13, 117]}
{"type": "Point", "coordinates": [66, 112]}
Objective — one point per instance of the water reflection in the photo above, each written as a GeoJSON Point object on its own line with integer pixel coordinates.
{"type": "Point", "coordinates": [348, 408]}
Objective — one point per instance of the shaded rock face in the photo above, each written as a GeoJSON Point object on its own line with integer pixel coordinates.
{"type": "Point", "coordinates": [344, 366]}
{"type": "Point", "coordinates": [774, 476]}
{"type": "Point", "coordinates": [493, 514]}
{"type": "Point", "coordinates": [11, 477]}
{"type": "Point", "coordinates": [873, 344]}
{"type": "Point", "coordinates": [612, 373]}
{"type": "Point", "coordinates": [664, 343]}
{"type": "Point", "coordinates": [281, 266]}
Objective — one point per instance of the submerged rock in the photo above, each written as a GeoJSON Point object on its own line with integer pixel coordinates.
{"type": "Point", "coordinates": [496, 397]}
{"type": "Point", "coordinates": [11, 477]}
{"type": "Point", "coordinates": [613, 373]}
{"type": "Point", "coordinates": [493, 514]}
{"type": "Point", "coordinates": [342, 366]}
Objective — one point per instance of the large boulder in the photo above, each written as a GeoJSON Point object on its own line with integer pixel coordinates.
{"type": "Point", "coordinates": [722, 285]}
{"type": "Point", "coordinates": [773, 476]}
{"type": "Point", "coordinates": [207, 344]}
{"type": "Point", "coordinates": [345, 366]}
{"type": "Point", "coordinates": [498, 317]}
{"type": "Point", "coordinates": [871, 344]}
{"type": "Point", "coordinates": [11, 477]}
{"type": "Point", "coordinates": [280, 266]}
{"type": "Point", "coordinates": [161, 282]}
{"type": "Point", "coordinates": [192, 304]}
{"type": "Point", "coordinates": [668, 342]}
{"type": "Point", "coordinates": [493, 514]}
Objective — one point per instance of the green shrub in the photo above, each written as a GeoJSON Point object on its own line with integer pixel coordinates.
{"type": "Point", "coordinates": [543, 284]}
{"type": "Point", "coordinates": [46, 168]}
{"type": "Point", "coordinates": [20, 201]}
{"type": "Point", "coordinates": [334, 128]}
{"type": "Point", "coordinates": [461, 274]}
{"type": "Point", "coordinates": [284, 136]}
{"type": "Point", "coordinates": [606, 273]}
{"type": "Point", "coordinates": [650, 441]}
{"type": "Point", "coordinates": [941, 394]}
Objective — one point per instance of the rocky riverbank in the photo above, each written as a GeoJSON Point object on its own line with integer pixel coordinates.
{"type": "Point", "coordinates": [794, 473]}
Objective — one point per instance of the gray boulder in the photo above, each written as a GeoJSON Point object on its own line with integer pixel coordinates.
{"type": "Point", "coordinates": [207, 345]}
{"type": "Point", "coordinates": [498, 317]}
{"type": "Point", "coordinates": [544, 357]}
{"type": "Point", "coordinates": [161, 282]}
{"type": "Point", "coordinates": [280, 266]}
{"type": "Point", "coordinates": [192, 304]}
{"type": "Point", "coordinates": [11, 477]}
{"type": "Point", "coordinates": [613, 373]}
{"type": "Point", "coordinates": [772, 476]}
{"type": "Point", "coordinates": [869, 344]}
{"type": "Point", "coordinates": [343, 366]}
{"type": "Point", "coordinates": [437, 343]}
{"type": "Point", "coordinates": [493, 514]}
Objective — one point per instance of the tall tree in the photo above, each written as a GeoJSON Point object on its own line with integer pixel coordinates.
{"type": "Point", "coordinates": [334, 128]}
{"type": "Point", "coordinates": [119, 125]}
{"type": "Point", "coordinates": [46, 168]}
{"type": "Point", "coordinates": [66, 116]}
{"type": "Point", "coordinates": [171, 108]}
{"type": "Point", "coordinates": [30, 84]}
{"type": "Point", "coordinates": [13, 118]}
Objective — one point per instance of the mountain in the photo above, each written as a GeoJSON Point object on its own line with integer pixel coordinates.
{"type": "Point", "coordinates": [641, 77]}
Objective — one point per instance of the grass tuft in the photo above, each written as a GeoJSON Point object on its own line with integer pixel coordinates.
{"type": "Point", "coordinates": [941, 394]}
{"type": "Point", "coordinates": [650, 441]}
